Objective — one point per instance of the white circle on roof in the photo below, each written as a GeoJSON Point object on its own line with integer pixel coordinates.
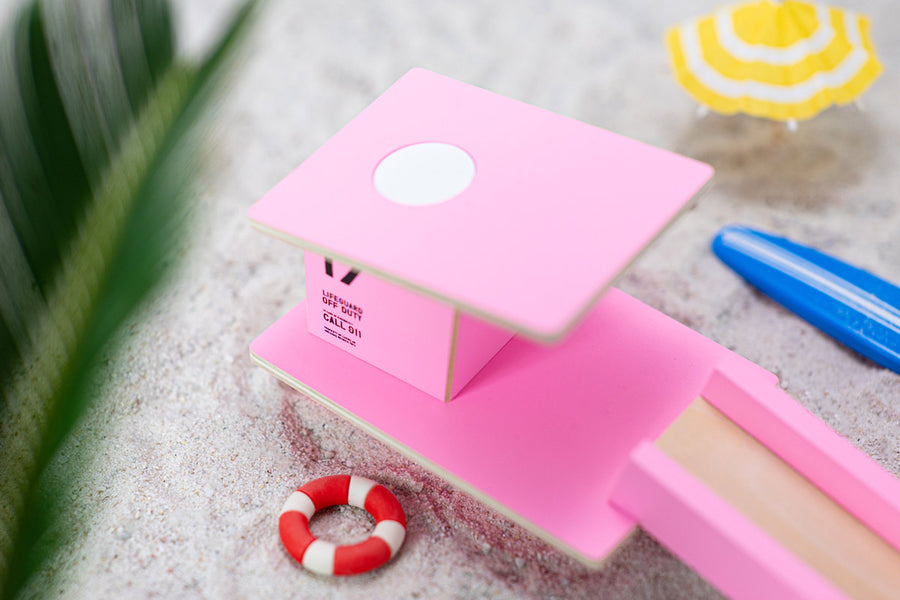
{"type": "Point", "coordinates": [424, 174]}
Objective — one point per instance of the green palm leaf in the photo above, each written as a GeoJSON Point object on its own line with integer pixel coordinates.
{"type": "Point", "coordinates": [96, 149]}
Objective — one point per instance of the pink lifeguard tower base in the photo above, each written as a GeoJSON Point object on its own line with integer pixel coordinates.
{"type": "Point", "coordinates": [535, 217]}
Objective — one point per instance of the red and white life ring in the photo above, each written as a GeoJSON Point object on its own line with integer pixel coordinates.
{"type": "Point", "coordinates": [330, 559]}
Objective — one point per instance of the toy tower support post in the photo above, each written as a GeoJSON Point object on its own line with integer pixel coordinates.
{"type": "Point", "coordinates": [426, 343]}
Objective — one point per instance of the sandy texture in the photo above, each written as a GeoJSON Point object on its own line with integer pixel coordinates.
{"type": "Point", "coordinates": [197, 448]}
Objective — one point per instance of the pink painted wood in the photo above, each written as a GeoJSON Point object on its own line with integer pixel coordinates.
{"type": "Point", "coordinates": [570, 417]}
{"type": "Point", "coordinates": [573, 418]}
{"type": "Point", "coordinates": [541, 433]}
{"type": "Point", "coordinates": [395, 329]}
{"type": "Point", "coordinates": [399, 331]}
{"type": "Point", "coordinates": [477, 342]}
{"type": "Point", "coordinates": [709, 535]}
{"type": "Point", "coordinates": [556, 210]}
{"type": "Point", "coordinates": [826, 459]}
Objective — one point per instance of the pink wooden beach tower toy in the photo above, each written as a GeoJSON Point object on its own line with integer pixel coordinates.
{"type": "Point", "coordinates": [460, 248]}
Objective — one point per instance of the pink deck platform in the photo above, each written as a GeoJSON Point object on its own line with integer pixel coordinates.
{"type": "Point", "coordinates": [536, 419]}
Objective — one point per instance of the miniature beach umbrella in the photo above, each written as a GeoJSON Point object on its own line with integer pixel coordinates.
{"type": "Point", "coordinates": [781, 60]}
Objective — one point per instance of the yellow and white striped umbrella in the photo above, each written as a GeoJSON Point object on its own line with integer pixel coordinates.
{"type": "Point", "coordinates": [782, 60]}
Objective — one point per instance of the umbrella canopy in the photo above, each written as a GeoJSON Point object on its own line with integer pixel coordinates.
{"type": "Point", "coordinates": [780, 60]}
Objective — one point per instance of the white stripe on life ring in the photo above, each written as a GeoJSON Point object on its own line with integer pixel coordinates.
{"type": "Point", "coordinates": [301, 503]}
{"type": "Point", "coordinates": [392, 532]}
{"type": "Point", "coordinates": [319, 557]}
{"type": "Point", "coordinates": [359, 489]}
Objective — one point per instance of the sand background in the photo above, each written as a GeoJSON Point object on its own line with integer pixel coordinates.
{"type": "Point", "coordinates": [196, 448]}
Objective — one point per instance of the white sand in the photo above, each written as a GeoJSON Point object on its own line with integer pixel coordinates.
{"type": "Point", "coordinates": [199, 448]}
